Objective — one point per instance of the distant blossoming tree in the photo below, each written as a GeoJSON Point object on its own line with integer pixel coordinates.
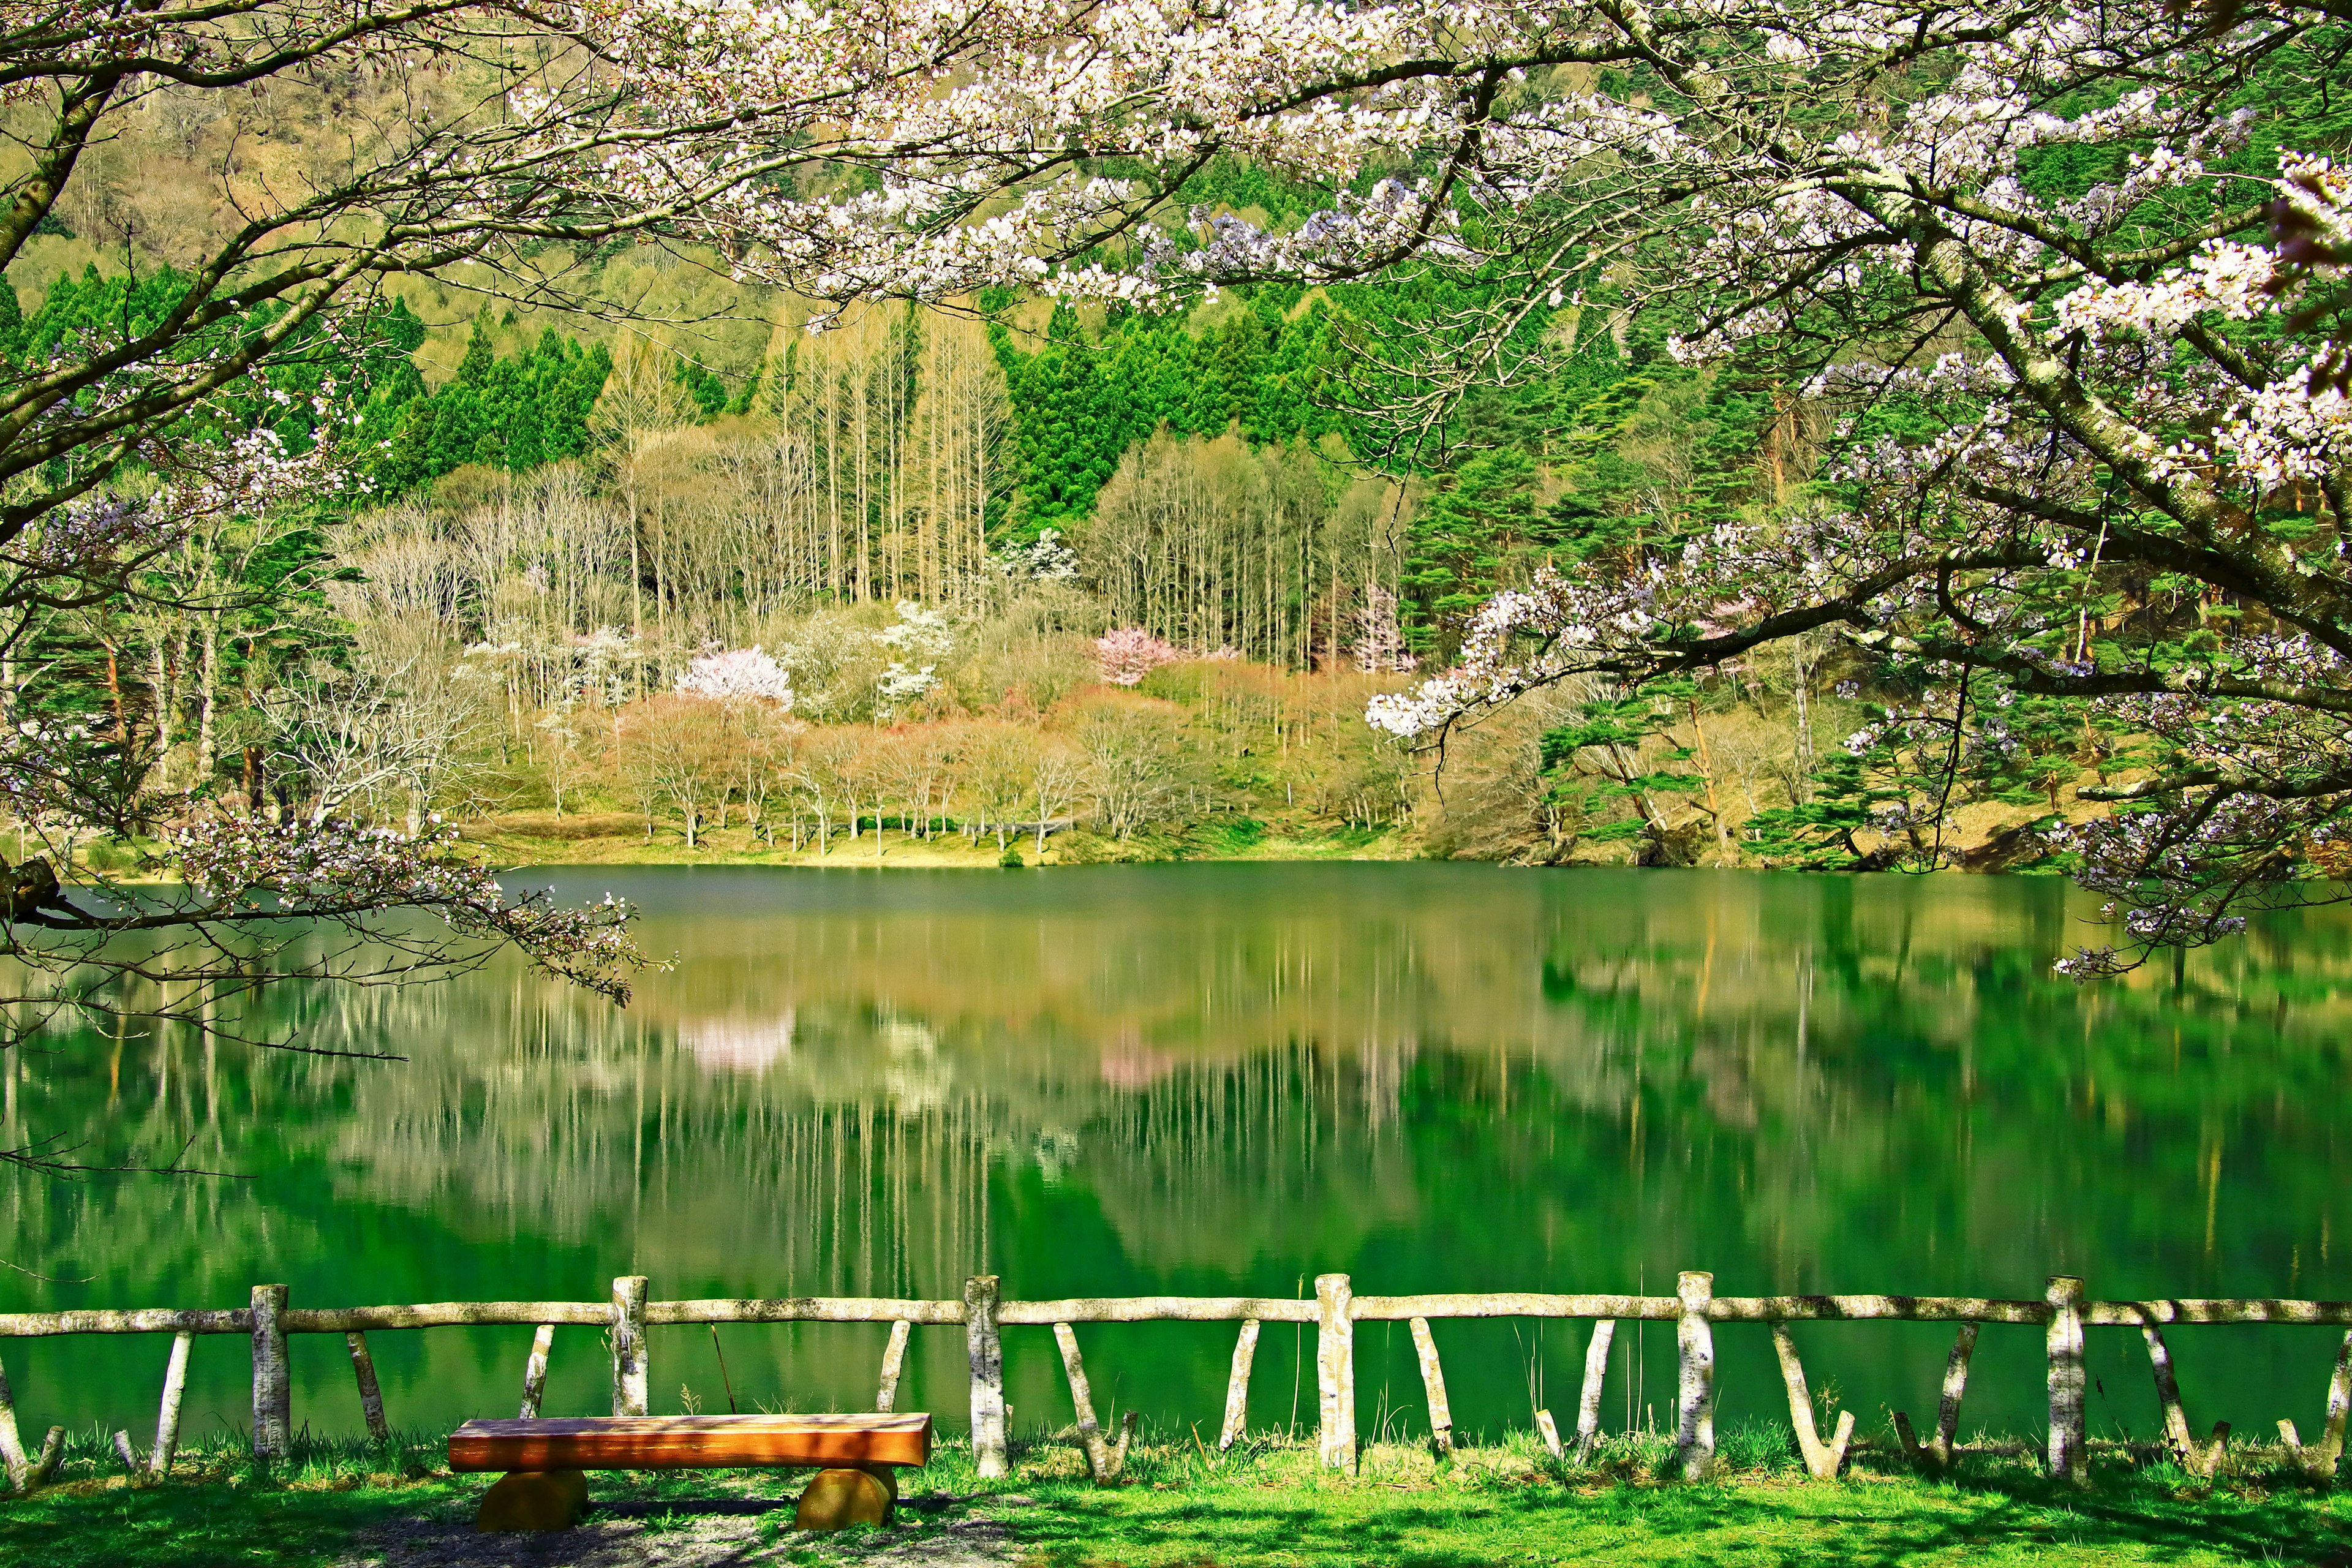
{"type": "Point", "coordinates": [1126, 656]}
{"type": "Point", "coordinates": [746, 673]}
{"type": "Point", "coordinates": [918, 634]}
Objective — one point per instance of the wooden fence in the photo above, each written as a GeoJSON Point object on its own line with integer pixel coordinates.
{"type": "Point", "coordinates": [1694, 1310]}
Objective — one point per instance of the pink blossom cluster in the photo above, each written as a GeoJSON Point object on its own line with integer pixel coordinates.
{"type": "Point", "coordinates": [1126, 656]}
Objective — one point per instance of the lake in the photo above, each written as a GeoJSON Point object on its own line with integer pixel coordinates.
{"type": "Point", "coordinates": [1227, 1079]}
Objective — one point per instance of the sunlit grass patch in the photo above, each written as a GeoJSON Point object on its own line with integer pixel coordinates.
{"type": "Point", "coordinates": [218, 1506]}
{"type": "Point", "coordinates": [1268, 1501]}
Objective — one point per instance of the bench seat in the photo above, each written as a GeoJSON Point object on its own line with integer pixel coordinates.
{"type": "Point", "coordinates": [690, 1442]}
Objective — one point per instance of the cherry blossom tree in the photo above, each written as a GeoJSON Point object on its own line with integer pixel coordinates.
{"type": "Point", "coordinates": [2125, 400]}
{"type": "Point", "coordinates": [917, 635]}
{"type": "Point", "coordinates": [2096, 254]}
{"type": "Point", "coordinates": [744, 673]}
{"type": "Point", "coordinates": [2132, 382]}
{"type": "Point", "coordinates": [1128, 654]}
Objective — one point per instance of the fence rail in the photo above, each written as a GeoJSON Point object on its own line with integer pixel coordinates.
{"type": "Point", "coordinates": [2063, 1313]}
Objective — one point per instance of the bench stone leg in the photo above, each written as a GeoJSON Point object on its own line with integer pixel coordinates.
{"type": "Point", "coordinates": [533, 1500]}
{"type": "Point", "coordinates": [837, 1498]}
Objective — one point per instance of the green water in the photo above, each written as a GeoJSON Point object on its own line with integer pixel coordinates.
{"type": "Point", "coordinates": [1219, 1078]}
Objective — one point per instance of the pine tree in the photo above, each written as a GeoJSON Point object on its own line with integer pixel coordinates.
{"type": "Point", "coordinates": [514, 413]}
{"type": "Point", "coordinates": [1458, 546]}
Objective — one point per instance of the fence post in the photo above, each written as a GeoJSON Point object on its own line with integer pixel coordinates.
{"type": "Point", "coordinates": [1100, 1461]}
{"type": "Point", "coordinates": [894, 1361]}
{"type": "Point", "coordinates": [630, 1371]}
{"type": "Point", "coordinates": [19, 1465]}
{"type": "Point", "coordinates": [2321, 1461]}
{"type": "Point", "coordinates": [1823, 1460]}
{"type": "Point", "coordinates": [26, 1471]}
{"type": "Point", "coordinates": [273, 1393]}
{"type": "Point", "coordinates": [1694, 1338]}
{"type": "Point", "coordinates": [985, 1345]}
{"type": "Point", "coordinates": [1237, 1386]}
{"type": "Point", "coordinates": [1335, 1370]}
{"type": "Point", "coordinates": [371, 1391]}
{"type": "Point", "coordinates": [1956, 1387]}
{"type": "Point", "coordinates": [167, 1409]}
{"type": "Point", "coordinates": [2067, 1455]}
{"type": "Point", "coordinates": [1587, 1404]}
{"type": "Point", "coordinates": [1432, 1384]}
{"type": "Point", "coordinates": [534, 1372]}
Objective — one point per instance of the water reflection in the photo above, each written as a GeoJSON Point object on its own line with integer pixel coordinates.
{"type": "Point", "coordinates": [1229, 1079]}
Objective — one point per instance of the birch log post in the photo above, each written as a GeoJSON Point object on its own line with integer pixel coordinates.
{"type": "Point", "coordinates": [1432, 1384]}
{"type": "Point", "coordinates": [534, 1372]}
{"type": "Point", "coordinates": [631, 1368]}
{"type": "Point", "coordinates": [1237, 1386]}
{"type": "Point", "coordinates": [1596, 1372]}
{"type": "Point", "coordinates": [894, 1362]}
{"type": "Point", "coordinates": [371, 1391]}
{"type": "Point", "coordinates": [1823, 1460]}
{"type": "Point", "coordinates": [2068, 1453]}
{"type": "Point", "coordinates": [53, 1449]}
{"type": "Point", "coordinates": [273, 1390]}
{"type": "Point", "coordinates": [2320, 1458]}
{"type": "Point", "coordinates": [125, 1453]}
{"type": "Point", "coordinates": [1549, 1430]}
{"type": "Point", "coordinates": [12, 1443]}
{"type": "Point", "coordinates": [24, 1472]}
{"type": "Point", "coordinates": [1956, 1388]}
{"type": "Point", "coordinates": [167, 1411]}
{"type": "Point", "coordinates": [2200, 1460]}
{"type": "Point", "coordinates": [1082, 1402]}
{"type": "Point", "coordinates": [1335, 1372]}
{"type": "Point", "coordinates": [985, 1345]}
{"type": "Point", "coordinates": [2339, 1404]}
{"type": "Point", "coordinates": [1695, 1387]}
{"type": "Point", "coordinates": [1148, 1309]}
{"type": "Point", "coordinates": [1936, 1452]}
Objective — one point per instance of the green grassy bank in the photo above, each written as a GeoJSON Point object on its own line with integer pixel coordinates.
{"type": "Point", "coordinates": [1180, 1504]}
{"type": "Point", "coordinates": [617, 840]}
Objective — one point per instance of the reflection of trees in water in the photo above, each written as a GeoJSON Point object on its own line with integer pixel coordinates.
{"type": "Point", "coordinates": [1494, 1079]}
{"type": "Point", "coordinates": [859, 1161]}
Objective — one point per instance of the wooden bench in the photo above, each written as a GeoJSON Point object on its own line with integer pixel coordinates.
{"type": "Point", "coordinates": [543, 1487]}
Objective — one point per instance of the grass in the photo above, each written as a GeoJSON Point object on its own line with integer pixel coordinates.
{"type": "Point", "coordinates": [219, 1507]}
{"type": "Point", "coordinates": [614, 839]}
{"type": "Point", "coordinates": [1266, 1503]}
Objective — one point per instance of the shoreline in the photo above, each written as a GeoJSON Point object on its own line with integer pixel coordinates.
{"type": "Point", "coordinates": [590, 841]}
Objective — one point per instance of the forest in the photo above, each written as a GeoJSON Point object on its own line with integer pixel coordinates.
{"type": "Point", "coordinates": [986, 575]}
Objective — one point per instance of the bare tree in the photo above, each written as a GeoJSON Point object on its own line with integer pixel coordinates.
{"type": "Point", "coordinates": [998, 761]}
{"type": "Point", "coordinates": [823, 769]}
{"type": "Point", "coordinates": [564, 764]}
{"type": "Point", "coordinates": [381, 729]}
{"type": "Point", "coordinates": [1057, 772]}
{"type": "Point", "coordinates": [674, 747]}
{"type": "Point", "coordinates": [1137, 766]}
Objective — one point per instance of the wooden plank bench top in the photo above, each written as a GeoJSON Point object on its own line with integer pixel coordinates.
{"type": "Point", "coordinates": [690, 1442]}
